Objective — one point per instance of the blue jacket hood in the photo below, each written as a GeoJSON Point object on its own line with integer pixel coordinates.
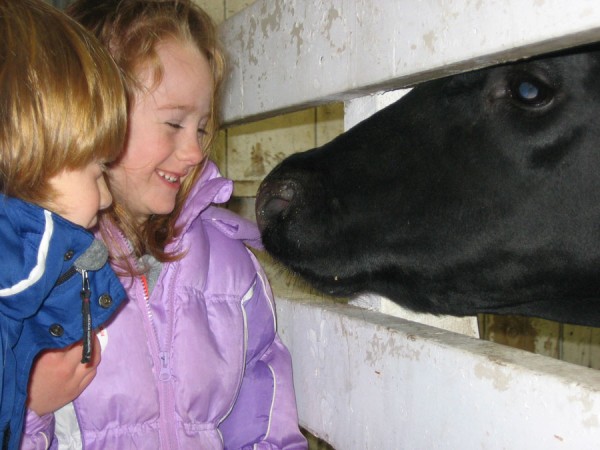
{"type": "Point", "coordinates": [34, 250]}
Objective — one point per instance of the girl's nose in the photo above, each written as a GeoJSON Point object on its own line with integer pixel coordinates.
{"type": "Point", "coordinates": [192, 152]}
{"type": "Point", "coordinates": [105, 196]}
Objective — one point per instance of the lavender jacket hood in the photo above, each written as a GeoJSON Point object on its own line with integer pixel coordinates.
{"type": "Point", "coordinates": [197, 364]}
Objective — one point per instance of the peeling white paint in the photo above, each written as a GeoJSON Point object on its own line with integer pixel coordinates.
{"type": "Point", "coordinates": [358, 47]}
{"type": "Point", "coordinates": [498, 376]}
{"type": "Point", "coordinates": [370, 381]}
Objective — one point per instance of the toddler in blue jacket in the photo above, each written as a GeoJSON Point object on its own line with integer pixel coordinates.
{"type": "Point", "coordinates": [62, 118]}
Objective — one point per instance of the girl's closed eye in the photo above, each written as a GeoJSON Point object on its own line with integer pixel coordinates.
{"type": "Point", "coordinates": [202, 124]}
{"type": "Point", "coordinates": [175, 125]}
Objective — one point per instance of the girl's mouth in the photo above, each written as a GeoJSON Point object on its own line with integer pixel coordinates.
{"type": "Point", "coordinates": [168, 177]}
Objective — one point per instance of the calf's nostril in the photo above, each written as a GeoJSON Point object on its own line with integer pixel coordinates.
{"type": "Point", "coordinates": [273, 200]}
{"type": "Point", "coordinates": [275, 206]}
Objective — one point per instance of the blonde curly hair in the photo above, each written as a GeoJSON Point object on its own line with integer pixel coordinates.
{"type": "Point", "coordinates": [132, 29]}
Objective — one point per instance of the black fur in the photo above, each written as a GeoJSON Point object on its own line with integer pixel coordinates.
{"type": "Point", "coordinates": [463, 197]}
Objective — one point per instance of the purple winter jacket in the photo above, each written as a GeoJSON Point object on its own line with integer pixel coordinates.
{"type": "Point", "coordinates": [198, 365]}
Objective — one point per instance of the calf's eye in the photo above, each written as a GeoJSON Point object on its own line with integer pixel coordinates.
{"type": "Point", "coordinates": [530, 93]}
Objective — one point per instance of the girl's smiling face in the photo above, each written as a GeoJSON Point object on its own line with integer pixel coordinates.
{"type": "Point", "coordinates": [166, 130]}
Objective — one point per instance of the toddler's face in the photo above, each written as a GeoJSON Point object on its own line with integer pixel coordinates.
{"type": "Point", "coordinates": [80, 194]}
{"type": "Point", "coordinates": [166, 129]}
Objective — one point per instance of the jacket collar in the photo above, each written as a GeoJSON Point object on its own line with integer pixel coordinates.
{"type": "Point", "coordinates": [211, 188]}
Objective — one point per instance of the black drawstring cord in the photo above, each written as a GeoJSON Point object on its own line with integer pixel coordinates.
{"type": "Point", "coordinates": [87, 317]}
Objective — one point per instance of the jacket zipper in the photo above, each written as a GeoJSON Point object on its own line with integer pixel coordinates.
{"type": "Point", "coordinates": [65, 276]}
{"type": "Point", "coordinates": [165, 372]}
{"type": "Point", "coordinates": [167, 429]}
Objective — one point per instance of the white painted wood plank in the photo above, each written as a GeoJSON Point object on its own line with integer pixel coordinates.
{"type": "Point", "coordinates": [285, 54]}
{"type": "Point", "coordinates": [467, 325]}
{"type": "Point", "coordinates": [358, 109]}
{"type": "Point", "coordinates": [369, 381]}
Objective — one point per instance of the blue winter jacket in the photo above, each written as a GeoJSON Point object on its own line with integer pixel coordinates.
{"type": "Point", "coordinates": [43, 261]}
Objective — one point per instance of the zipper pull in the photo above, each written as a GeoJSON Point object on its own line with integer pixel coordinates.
{"type": "Point", "coordinates": [86, 316]}
{"type": "Point", "coordinates": [165, 372]}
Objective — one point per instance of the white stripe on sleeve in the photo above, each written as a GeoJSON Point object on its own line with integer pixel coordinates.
{"type": "Point", "coordinates": [40, 267]}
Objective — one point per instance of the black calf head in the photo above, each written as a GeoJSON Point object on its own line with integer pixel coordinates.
{"type": "Point", "coordinates": [474, 193]}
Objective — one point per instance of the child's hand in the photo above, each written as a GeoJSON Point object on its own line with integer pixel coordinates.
{"type": "Point", "coordinates": [58, 377]}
